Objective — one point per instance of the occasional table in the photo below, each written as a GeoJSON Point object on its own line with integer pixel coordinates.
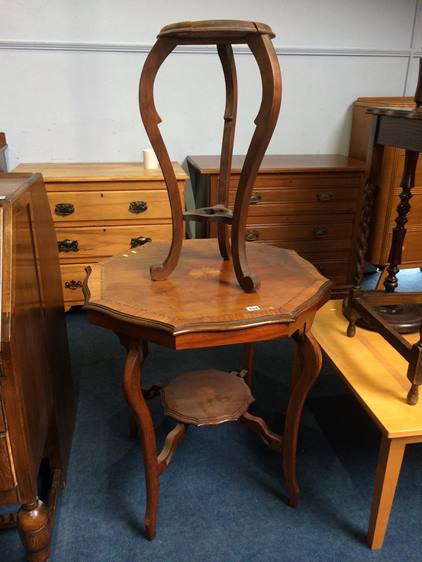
{"type": "Point", "coordinates": [202, 305]}
{"type": "Point", "coordinates": [376, 374]}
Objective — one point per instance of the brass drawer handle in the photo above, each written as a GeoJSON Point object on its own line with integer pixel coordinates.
{"type": "Point", "coordinates": [320, 232]}
{"type": "Point", "coordinates": [68, 245]}
{"type": "Point", "coordinates": [255, 198]}
{"type": "Point", "coordinates": [64, 209]}
{"type": "Point", "coordinates": [325, 196]}
{"type": "Point", "coordinates": [140, 241]}
{"type": "Point", "coordinates": [138, 206]}
{"type": "Point", "coordinates": [73, 285]}
{"type": "Point", "coordinates": [251, 235]}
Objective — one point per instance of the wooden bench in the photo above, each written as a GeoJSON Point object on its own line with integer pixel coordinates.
{"type": "Point", "coordinates": [376, 374]}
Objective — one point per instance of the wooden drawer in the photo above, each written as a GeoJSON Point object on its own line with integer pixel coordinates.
{"type": "Point", "coordinates": [415, 214]}
{"type": "Point", "coordinates": [105, 185]}
{"type": "Point", "coordinates": [290, 202]}
{"type": "Point", "coordinates": [294, 181]}
{"type": "Point", "coordinates": [109, 205]}
{"type": "Point", "coordinates": [319, 231]}
{"type": "Point", "coordinates": [73, 276]}
{"type": "Point", "coordinates": [412, 247]}
{"type": "Point", "coordinates": [96, 242]}
{"type": "Point", "coordinates": [7, 477]}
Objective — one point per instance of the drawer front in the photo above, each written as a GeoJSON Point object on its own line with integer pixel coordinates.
{"type": "Point", "coordinates": [317, 232]}
{"type": "Point", "coordinates": [73, 276]}
{"type": "Point", "coordinates": [415, 214]}
{"type": "Point", "coordinates": [294, 181]}
{"type": "Point", "coordinates": [105, 185]}
{"type": "Point", "coordinates": [412, 247]}
{"type": "Point", "coordinates": [109, 205]}
{"type": "Point", "coordinates": [267, 202]}
{"type": "Point", "coordinates": [83, 243]}
{"type": "Point", "coordinates": [7, 477]}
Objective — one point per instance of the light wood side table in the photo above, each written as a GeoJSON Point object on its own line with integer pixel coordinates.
{"type": "Point", "coordinates": [376, 374]}
{"type": "Point", "coordinates": [99, 209]}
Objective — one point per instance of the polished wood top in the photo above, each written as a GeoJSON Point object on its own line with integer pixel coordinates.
{"type": "Point", "coordinates": [404, 112]}
{"type": "Point", "coordinates": [12, 185]}
{"type": "Point", "coordinates": [97, 171]}
{"type": "Point", "coordinates": [202, 293]}
{"type": "Point", "coordinates": [274, 163]}
{"type": "Point", "coordinates": [373, 370]}
{"type": "Point", "coordinates": [214, 30]}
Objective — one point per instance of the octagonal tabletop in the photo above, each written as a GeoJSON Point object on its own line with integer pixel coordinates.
{"type": "Point", "coordinates": [202, 294]}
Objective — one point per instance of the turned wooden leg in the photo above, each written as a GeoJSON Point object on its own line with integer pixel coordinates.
{"type": "Point", "coordinates": [374, 160]}
{"type": "Point", "coordinates": [399, 231]}
{"type": "Point", "coordinates": [388, 469]}
{"type": "Point", "coordinates": [248, 362]}
{"type": "Point", "coordinates": [135, 398]}
{"type": "Point", "coordinates": [225, 52]}
{"type": "Point", "coordinates": [34, 530]}
{"type": "Point", "coordinates": [309, 357]}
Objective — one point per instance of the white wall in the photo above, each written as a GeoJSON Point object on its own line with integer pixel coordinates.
{"type": "Point", "coordinates": [70, 74]}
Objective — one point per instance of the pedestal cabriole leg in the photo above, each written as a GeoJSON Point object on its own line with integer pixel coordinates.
{"type": "Point", "coordinates": [159, 52]}
{"type": "Point", "coordinates": [34, 530]}
{"type": "Point", "coordinates": [399, 231]}
{"type": "Point", "coordinates": [265, 55]}
{"type": "Point", "coordinates": [135, 398]}
{"type": "Point", "coordinates": [225, 52]}
{"type": "Point", "coordinates": [309, 358]}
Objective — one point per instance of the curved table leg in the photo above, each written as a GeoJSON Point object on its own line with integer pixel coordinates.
{"type": "Point", "coordinates": [150, 118]}
{"type": "Point", "coordinates": [309, 358]}
{"type": "Point", "coordinates": [265, 55]}
{"type": "Point", "coordinates": [136, 400]}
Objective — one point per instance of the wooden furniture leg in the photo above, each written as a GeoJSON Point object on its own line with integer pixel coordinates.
{"type": "Point", "coordinates": [310, 360]}
{"type": "Point", "coordinates": [159, 52]}
{"type": "Point", "coordinates": [388, 469]}
{"type": "Point", "coordinates": [265, 55]}
{"type": "Point", "coordinates": [134, 396]}
{"type": "Point", "coordinates": [225, 52]}
{"type": "Point", "coordinates": [248, 350]}
{"type": "Point", "coordinates": [399, 231]}
{"type": "Point", "coordinates": [34, 530]}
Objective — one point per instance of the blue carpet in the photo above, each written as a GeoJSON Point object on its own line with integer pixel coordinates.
{"type": "Point", "coordinates": [223, 498]}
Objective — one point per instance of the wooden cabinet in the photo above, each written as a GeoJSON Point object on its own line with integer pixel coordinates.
{"type": "Point", "coordinates": [101, 209]}
{"type": "Point", "coordinates": [36, 393]}
{"type": "Point", "coordinates": [387, 197]}
{"type": "Point", "coordinates": [309, 203]}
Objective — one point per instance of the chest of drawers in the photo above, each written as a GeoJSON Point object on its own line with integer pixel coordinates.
{"type": "Point", "coordinates": [387, 197]}
{"type": "Point", "coordinates": [309, 203]}
{"type": "Point", "coordinates": [100, 209]}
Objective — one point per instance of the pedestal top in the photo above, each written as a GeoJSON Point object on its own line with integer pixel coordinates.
{"type": "Point", "coordinates": [236, 31]}
{"type": "Point", "coordinates": [202, 294]}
